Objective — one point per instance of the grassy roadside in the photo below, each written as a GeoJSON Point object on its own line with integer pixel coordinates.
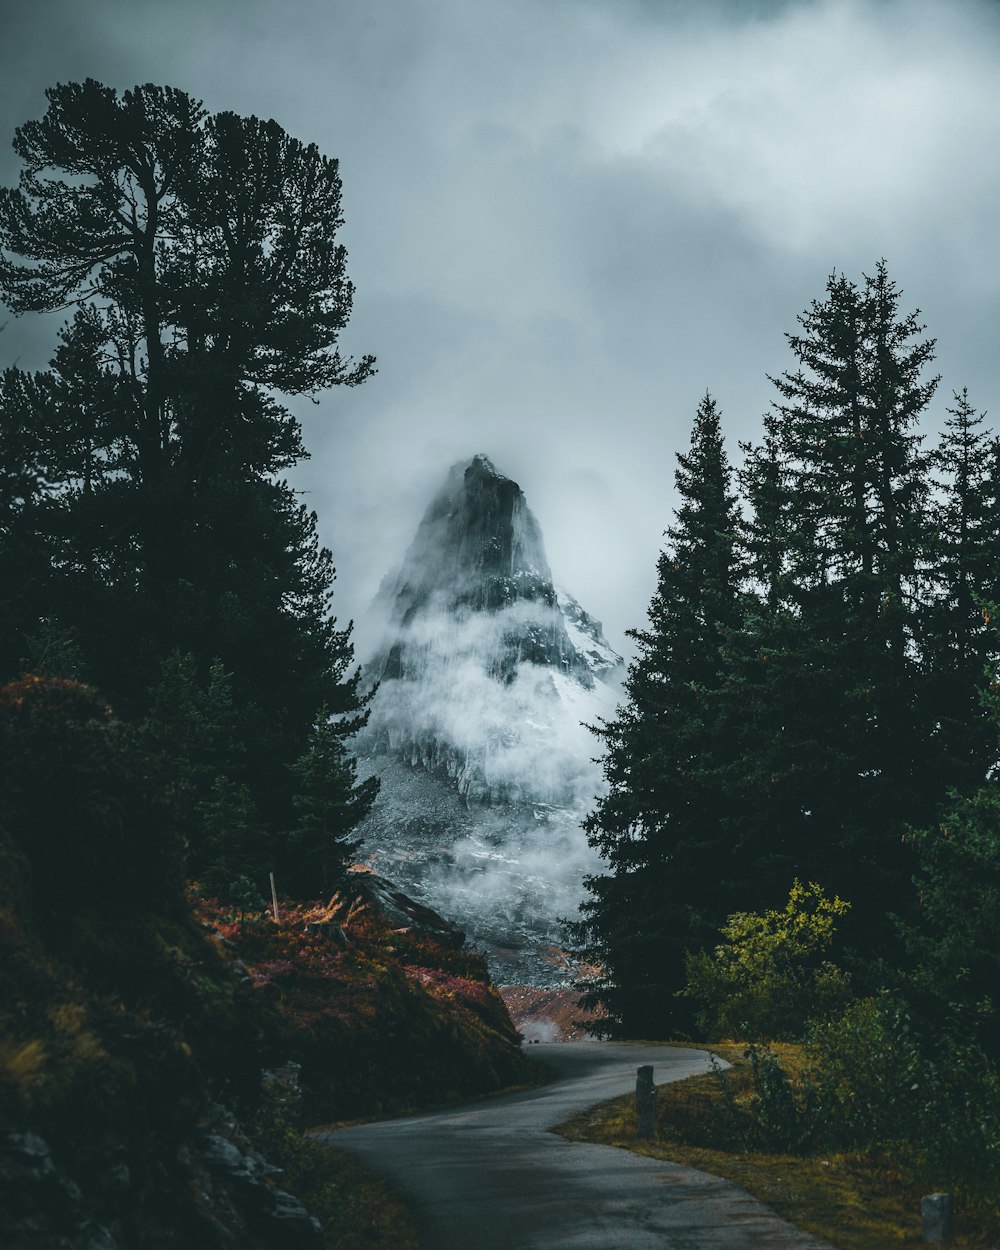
{"type": "Point", "coordinates": [356, 1209]}
{"type": "Point", "coordinates": [854, 1202]}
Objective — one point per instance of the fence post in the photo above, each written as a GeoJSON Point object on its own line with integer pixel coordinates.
{"type": "Point", "coordinates": [643, 1084]}
{"type": "Point", "coordinates": [937, 1211]}
{"type": "Point", "coordinates": [645, 1102]}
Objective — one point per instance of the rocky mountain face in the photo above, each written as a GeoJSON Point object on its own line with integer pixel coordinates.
{"type": "Point", "coordinates": [488, 674]}
{"type": "Point", "coordinates": [478, 554]}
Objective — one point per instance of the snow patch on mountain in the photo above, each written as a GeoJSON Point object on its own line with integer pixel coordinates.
{"type": "Point", "coordinates": [587, 635]}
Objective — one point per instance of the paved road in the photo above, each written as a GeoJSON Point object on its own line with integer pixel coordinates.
{"type": "Point", "coordinates": [490, 1176]}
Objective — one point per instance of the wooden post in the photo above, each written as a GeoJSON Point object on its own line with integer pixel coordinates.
{"type": "Point", "coordinates": [274, 899]}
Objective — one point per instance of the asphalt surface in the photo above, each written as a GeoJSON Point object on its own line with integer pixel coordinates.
{"type": "Point", "coordinates": [490, 1175]}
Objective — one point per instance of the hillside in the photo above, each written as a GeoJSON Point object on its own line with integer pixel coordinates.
{"type": "Point", "coordinates": [137, 1022]}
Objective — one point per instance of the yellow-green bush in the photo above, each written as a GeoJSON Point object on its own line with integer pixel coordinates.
{"type": "Point", "coordinates": [769, 975]}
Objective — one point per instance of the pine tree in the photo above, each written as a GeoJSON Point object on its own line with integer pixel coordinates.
{"type": "Point", "coordinates": [328, 804]}
{"type": "Point", "coordinates": [798, 724]}
{"type": "Point", "coordinates": [825, 680]}
{"type": "Point", "coordinates": [199, 253]}
{"type": "Point", "coordinates": [657, 826]}
{"type": "Point", "coordinates": [957, 643]}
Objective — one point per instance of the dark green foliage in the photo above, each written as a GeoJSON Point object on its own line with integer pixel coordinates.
{"type": "Point", "coordinates": [953, 941]}
{"type": "Point", "coordinates": [777, 1114]}
{"type": "Point", "coordinates": [866, 1066]}
{"type": "Point", "coordinates": [824, 690]}
{"type": "Point", "coordinates": [756, 1107]}
{"type": "Point", "coordinates": [878, 1081]}
{"type": "Point", "coordinates": [328, 804]}
{"type": "Point", "coordinates": [141, 502]}
{"type": "Point", "coordinates": [234, 844]}
{"type": "Point", "coordinates": [659, 824]}
{"type": "Point", "coordinates": [76, 798]}
{"type": "Point", "coordinates": [53, 652]}
{"type": "Point", "coordinates": [957, 641]}
{"type": "Point", "coordinates": [198, 730]}
{"type": "Point", "coordinates": [197, 727]}
{"type": "Point", "coordinates": [808, 690]}
{"type": "Point", "coordinates": [869, 1084]}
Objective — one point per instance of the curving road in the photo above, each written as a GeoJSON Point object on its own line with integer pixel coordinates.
{"type": "Point", "coordinates": [490, 1176]}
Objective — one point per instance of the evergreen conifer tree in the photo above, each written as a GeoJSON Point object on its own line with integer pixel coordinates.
{"type": "Point", "coordinates": [658, 825]}
{"type": "Point", "coordinates": [328, 804]}
{"type": "Point", "coordinates": [824, 688]}
{"type": "Point", "coordinates": [963, 576]}
{"type": "Point", "coordinates": [151, 515]}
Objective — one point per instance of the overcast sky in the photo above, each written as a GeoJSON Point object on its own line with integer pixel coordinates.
{"type": "Point", "coordinates": [567, 219]}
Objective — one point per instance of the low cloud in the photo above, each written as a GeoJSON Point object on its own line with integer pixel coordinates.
{"type": "Point", "coordinates": [499, 736]}
{"type": "Point", "coordinates": [566, 221]}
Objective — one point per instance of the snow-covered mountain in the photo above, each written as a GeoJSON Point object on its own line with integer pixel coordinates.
{"type": "Point", "coordinates": [487, 677]}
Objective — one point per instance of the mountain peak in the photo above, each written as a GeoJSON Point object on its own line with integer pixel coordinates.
{"type": "Point", "coordinates": [474, 613]}
{"type": "Point", "coordinates": [487, 678]}
{"type": "Point", "coordinates": [481, 463]}
{"type": "Point", "coordinates": [478, 546]}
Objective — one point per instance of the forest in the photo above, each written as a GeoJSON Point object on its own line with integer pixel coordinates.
{"type": "Point", "coordinates": [799, 828]}
{"type": "Point", "coordinates": [175, 706]}
{"type": "Point", "coordinates": [801, 820]}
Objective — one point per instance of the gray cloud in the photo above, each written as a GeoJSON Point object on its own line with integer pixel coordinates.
{"type": "Point", "coordinates": [567, 221]}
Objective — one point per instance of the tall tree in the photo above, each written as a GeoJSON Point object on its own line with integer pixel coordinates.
{"type": "Point", "coordinates": [208, 244]}
{"type": "Point", "coordinates": [328, 805]}
{"type": "Point", "coordinates": [826, 681]}
{"type": "Point", "coordinates": [657, 825]}
{"type": "Point", "coordinates": [957, 643]}
{"type": "Point", "coordinates": [780, 732]}
{"type": "Point", "coordinates": [199, 254]}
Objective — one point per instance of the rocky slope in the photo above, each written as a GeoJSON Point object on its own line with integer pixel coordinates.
{"type": "Point", "coordinates": [487, 677]}
{"type": "Point", "coordinates": [142, 1028]}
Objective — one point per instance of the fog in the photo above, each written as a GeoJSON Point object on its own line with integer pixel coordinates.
{"type": "Point", "coordinates": [485, 783]}
{"type": "Point", "coordinates": [487, 681]}
{"type": "Point", "coordinates": [566, 221]}
{"type": "Point", "coordinates": [506, 875]}
{"type": "Point", "coordinates": [516, 740]}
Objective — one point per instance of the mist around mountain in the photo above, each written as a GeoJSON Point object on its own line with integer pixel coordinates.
{"type": "Point", "coordinates": [487, 675]}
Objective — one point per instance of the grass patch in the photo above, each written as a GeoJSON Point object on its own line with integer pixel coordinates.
{"type": "Point", "coordinates": [855, 1202]}
{"type": "Point", "coordinates": [356, 1210]}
